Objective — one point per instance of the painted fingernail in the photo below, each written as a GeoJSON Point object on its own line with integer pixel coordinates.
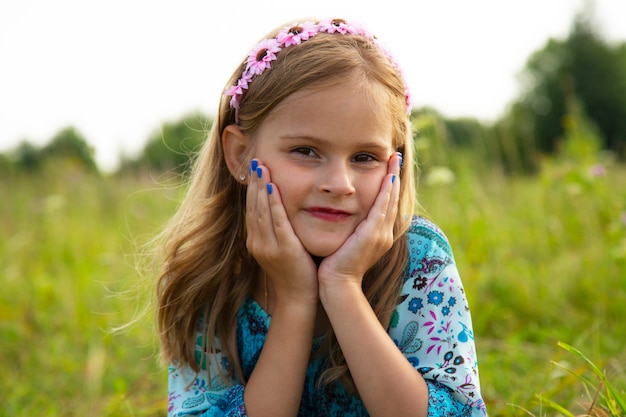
{"type": "Point", "coordinates": [259, 172]}
{"type": "Point", "coordinates": [400, 156]}
{"type": "Point", "coordinates": [393, 179]}
{"type": "Point", "coordinates": [269, 188]}
{"type": "Point", "coordinates": [254, 165]}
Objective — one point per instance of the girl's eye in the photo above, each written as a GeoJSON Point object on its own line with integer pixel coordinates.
{"type": "Point", "coordinates": [363, 157]}
{"type": "Point", "coordinates": [304, 150]}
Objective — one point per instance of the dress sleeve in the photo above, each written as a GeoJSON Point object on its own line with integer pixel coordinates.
{"type": "Point", "coordinates": [191, 394]}
{"type": "Point", "coordinates": [432, 324]}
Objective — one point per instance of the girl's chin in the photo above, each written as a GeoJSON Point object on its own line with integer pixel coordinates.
{"type": "Point", "coordinates": [317, 251]}
{"type": "Point", "coordinates": [320, 246]}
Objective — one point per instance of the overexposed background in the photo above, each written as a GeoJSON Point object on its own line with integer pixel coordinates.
{"type": "Point", "coordinates": [117, 69]}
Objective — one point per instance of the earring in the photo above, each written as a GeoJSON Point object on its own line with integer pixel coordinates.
{"type": "Point", "coordinates": [242, 178]}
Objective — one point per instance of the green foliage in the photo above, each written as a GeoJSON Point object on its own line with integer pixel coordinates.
{"type": "Point", "coordinates": [67, 151]}
{"type": "Point", "coordinates": [603, 398]}
{"type": "Point", "coordinates": [514, 143]}
{"type": "Point", "coordinates": [67, 277]}
{"type": "Point", "coordinates": [69, 147]}
{"type": "Point", "coordinates": [27, 157]}
{"type": "Point", "coordinates": [172, 147]}
{"type": "Point", "coordinates": [543, 259]}
{"type": "Point", "coordinates": [583, 65]}
{"type": "Point", "coordinates": [467, 143]}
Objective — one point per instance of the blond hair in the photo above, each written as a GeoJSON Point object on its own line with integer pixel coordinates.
{"type": "Point", "coordinates": [207, 269]}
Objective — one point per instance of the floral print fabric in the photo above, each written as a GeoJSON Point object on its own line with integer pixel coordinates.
{"type": "Point", "coordinates": [431, 326]}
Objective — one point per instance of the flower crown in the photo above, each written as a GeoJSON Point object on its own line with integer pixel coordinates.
{"type": "Point", "coordinates": [261, 56]}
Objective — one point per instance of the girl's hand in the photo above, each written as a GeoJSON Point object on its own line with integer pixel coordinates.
{"type": "Point", "coordinates": [273, 243]}
{"type": "Point", "coordinates": [372, 238]}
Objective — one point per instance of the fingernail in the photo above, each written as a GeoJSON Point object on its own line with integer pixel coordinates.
{"type": "Point", "coordinates": [269, 188]}
{"type": "Point", "coordinates": [254, 165]}
{"type": "Point", "coordinates": [393, 178]}
{"type": "Point", "coordinates": [400, 156]}
{"type": "Point", "coordinates": [259, 172]}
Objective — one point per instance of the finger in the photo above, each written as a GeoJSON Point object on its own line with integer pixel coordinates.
{"type": "Point", "coordinates": [263, 212]}
{"type": "Point", "coordinates": [380, 209]}
{"type": "Point", "coordinates": [251, 195]}
{"type": "Point", "coordinates": [283, 230]}
{"type": "Point", "coordinates": [395, 164]}
{"type": "Point", "coordinates": [382, 215]}
{"type": "Point", "coordinates": [256, 211]}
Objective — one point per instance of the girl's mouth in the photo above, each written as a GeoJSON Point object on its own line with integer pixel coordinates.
{"type": "Point", "coordinates": [328, 214]}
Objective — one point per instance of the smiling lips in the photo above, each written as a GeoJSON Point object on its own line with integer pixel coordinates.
{"type": "Point", "coordinates": [328, 214]}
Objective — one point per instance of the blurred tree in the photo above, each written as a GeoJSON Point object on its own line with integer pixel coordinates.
{"type": "Point", "coordinates": [464, 131]}
{"type": "Point", "coordinates": [172, 147]}
{"type": "Point", "coordinates": [7, 166]}
{"type": "Point", "coordinates": [27, 157]}
{"type": "Point", "coordinates": [583, 65]}
{"type": "Point", "coordinates": [69, 147]}
{"type": "Point", "coordinates": [513, 143]}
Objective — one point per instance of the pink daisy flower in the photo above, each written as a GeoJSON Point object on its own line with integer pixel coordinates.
{"type": "Point", "coordinates": [261, 56]}
{"type": "Point", "coordinates": [295, 34]}
{"type": "Point", "coordinates": [236, 91]}
{"type": "Point", "coordinates": [337, 25]}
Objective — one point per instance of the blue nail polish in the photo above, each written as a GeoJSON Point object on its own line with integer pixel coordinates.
{"type": "Point", "coordinates": [259, 172]}
{"type": "Point", "coordinates": [400, 160]}
{"type": "Point", "coordinates": [393, 179]}
{"type": "Point", "coordinates": [269, 188]}
{"type": "Point", "coordinates": [254, 165]}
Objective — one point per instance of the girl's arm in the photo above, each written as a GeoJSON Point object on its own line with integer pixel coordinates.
{"type": "Point", "coordinates": [276, 384]}
{"type": "Point", "coordinates": [387, 382]}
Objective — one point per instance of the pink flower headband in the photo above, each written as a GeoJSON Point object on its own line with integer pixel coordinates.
{"type": "Point", "coordinates": [265, 52]}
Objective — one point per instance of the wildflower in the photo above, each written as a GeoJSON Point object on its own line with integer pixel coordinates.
{"type": "Point", "coordinates": [440, 175]}
{"type": "Point", "coordinates": [597, 170]}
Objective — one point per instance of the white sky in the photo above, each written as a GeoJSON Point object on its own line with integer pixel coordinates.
{"type": "Point", "coordinates": [117, 69]}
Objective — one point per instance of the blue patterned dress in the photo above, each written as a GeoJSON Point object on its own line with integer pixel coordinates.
{"type": "Point", "coordinates": [431, 326]}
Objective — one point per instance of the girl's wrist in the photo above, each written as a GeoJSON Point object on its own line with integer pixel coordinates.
{"type": "Point", "coordinates": [296, 310]}
{"type": "Point", "coordinates": [301, 302]}
{"type": "Point", "coordinates": [335, 291]}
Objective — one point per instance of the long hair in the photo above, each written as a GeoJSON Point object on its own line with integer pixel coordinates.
{"type": "Point", "coordinates": [206, 266]}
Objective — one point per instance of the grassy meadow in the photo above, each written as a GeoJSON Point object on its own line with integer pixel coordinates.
{"type": "Point", "coordinates": [543, 259]}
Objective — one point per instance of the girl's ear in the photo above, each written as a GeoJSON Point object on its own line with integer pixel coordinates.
{"type": "Point", "coordinates": [236, 148]}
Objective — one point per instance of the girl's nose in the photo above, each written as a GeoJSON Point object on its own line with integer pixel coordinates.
{"type": "Point", "coordinates": [336, 178]}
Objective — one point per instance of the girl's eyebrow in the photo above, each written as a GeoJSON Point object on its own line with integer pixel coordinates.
{"type": "Point", "coordinates": [374, 145]}
{"type": "Point", "coordinates": [302, 137]}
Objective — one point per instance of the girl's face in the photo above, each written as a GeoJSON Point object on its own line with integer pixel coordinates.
{"type": "Point", "coordinates": [327, 152]}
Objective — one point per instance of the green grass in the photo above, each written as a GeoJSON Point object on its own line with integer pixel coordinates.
{"type": "Point", "coordinates": [543, 261]}
{"type": "Point", "coordinates": [67, 274]}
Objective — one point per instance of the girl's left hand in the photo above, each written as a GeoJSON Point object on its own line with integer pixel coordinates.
{"type": "Point", "coordinates": [372, 238]}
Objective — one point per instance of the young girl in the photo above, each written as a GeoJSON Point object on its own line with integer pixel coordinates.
{"type": "Point", "coordinates": [297, 281]}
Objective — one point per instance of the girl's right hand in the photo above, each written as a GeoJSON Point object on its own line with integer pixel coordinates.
{"type": "Point", "coordinates": [272, 242]}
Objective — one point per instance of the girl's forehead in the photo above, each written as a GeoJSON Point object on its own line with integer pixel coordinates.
{"type": "Point", "coordinates": [341, 93]}
{"type": "Point", "coordinates": [334, 114]}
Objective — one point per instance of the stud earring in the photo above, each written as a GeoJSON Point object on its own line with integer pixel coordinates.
{"type": "Point", "coordinates": [242, 178]}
